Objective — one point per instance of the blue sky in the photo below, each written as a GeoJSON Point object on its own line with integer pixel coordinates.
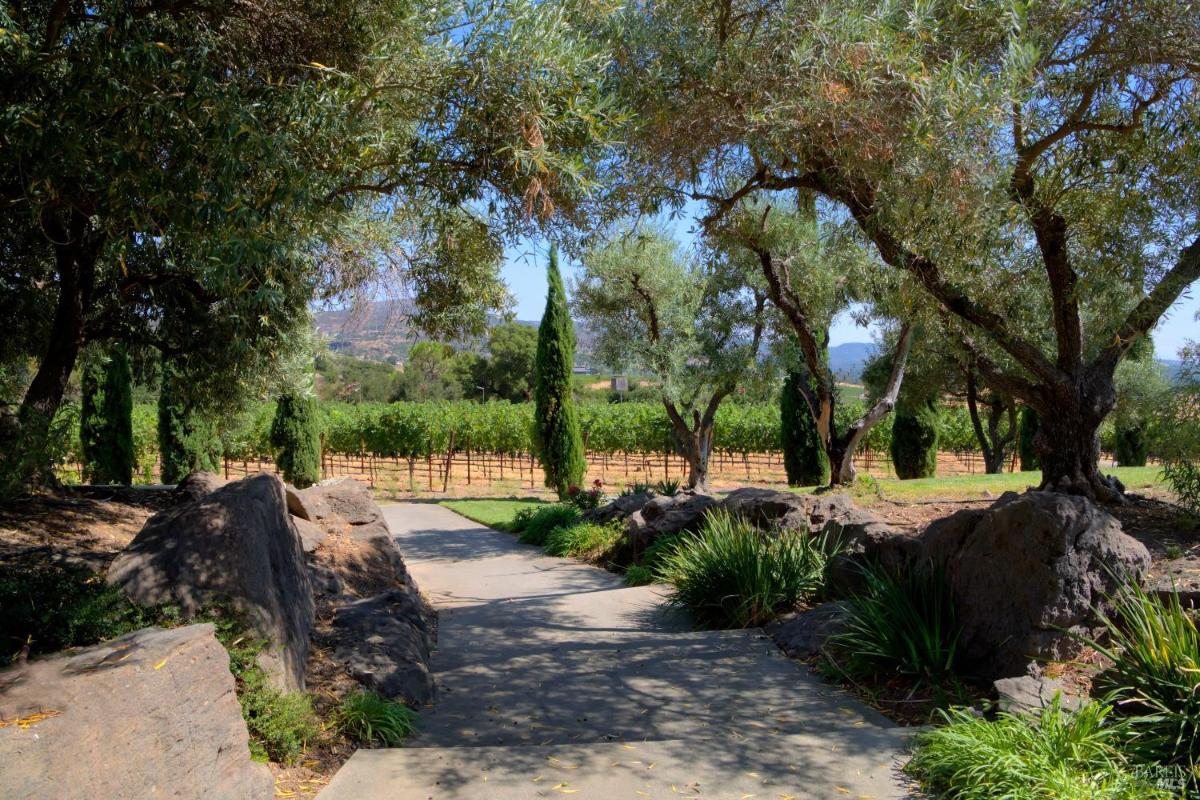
{"type": "Point", "coordinates": [525, 273]}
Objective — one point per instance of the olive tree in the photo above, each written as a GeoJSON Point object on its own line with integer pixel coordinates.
{"type": "Point", "coordinates": [689, 319]}
{"type": "Point", "coordinates": [809, 279]}
{"type": "Point", "coordinates": [1020, 162]}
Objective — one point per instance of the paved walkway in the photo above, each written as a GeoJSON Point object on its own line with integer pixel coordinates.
{"type": "Point", "coordinates": [554, 678]}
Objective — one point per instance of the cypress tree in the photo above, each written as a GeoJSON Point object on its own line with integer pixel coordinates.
{"type": "Point", "coordinates": [106, 418]}
{"type": "Point", "coordinates": [1027, 428]}
{"type": "Point", "coordinates": [915, 441]}
{"type": "Point", "coordinates": [296, 439]}
{"type": "Point", "coordinates": [187, 440]}
{"type": "Point", "coordinates": [1131, 445]}
{"type": "Point", "coordinates": [556, 436]}
{"type": "Point", "coordinates": [804, 457]}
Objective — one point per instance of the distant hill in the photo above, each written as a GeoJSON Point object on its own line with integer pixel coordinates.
{"type": "Point", "coordinates": [379, 331]}
{"type": "Point", "coordinates": [847, 360]}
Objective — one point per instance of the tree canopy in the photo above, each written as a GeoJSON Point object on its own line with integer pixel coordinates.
{"type": "Point", "coordinates": [1019, 162]}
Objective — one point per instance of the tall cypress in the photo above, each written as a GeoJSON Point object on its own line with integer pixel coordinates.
{"type": "Point", "coordinates": [556, 436]}
{"type": "Point", "coordinates": [915, 441]}
{"type": "Point", "coordinates": [187, 440]}
{"type": "Point", "coordinates": [296, 439]}
{"type": "Point", "coordinates": [1027, 427]}
{"type": "Point", "coordinates": [106, 417]}
{"type": "Point", "coordinates": [804, 457]}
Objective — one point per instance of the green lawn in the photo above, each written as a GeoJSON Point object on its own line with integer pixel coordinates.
{"type": "Point", "coordinates": [962, 487]}
{"type": "Point", "coordinates": [491, 512]}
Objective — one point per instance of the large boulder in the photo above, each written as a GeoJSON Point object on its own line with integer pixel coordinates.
{"type": "Point", "coordinates": [773, 508]}
{"type": "Point", "coordinates": [1030, 572]}
{"type": "Point", "coordinates": [620, 508]}
{"type": "Point", "coordinates": [384, 643]}
{"type": "Point", "coordinates": [237, 544]}
{"type": "Point", "coordinates": [345, 497]}
{"type": "Point", "coordinates": [196, 485]}
{"type": "Point", "coordinates": [150, 714]}
{"type": "Point", "coordinates": [665, 515]}
{"type": "Point", "coordinates": [803, 635]}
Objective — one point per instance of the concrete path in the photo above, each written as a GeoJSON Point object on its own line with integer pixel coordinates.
{"type": "Point", "coordinates": [554, 678]}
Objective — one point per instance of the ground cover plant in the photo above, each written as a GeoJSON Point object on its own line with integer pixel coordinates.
{"type": "Point", "coordinates": [369, 718]}
{"type": "Point", "coordinates": [898, 626]}
{"type": "Point", "coordinates": [45, 608]}
{"type": "Point", "coordinates": [649, 568]}
{"type": "Point", "coordinates": [1054, 756]}
{"type": "Point", "coordinates": [534, 528]}
{"type": "Point", "coordinates": [589, 541]}
{"type": "Point", "coordinates": [731, 575]}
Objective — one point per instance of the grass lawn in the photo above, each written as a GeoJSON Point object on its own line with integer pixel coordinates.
{"type": "Point", "coordinates": [973, 486]}
{"type": "Point", "coordinates": [491, 512]}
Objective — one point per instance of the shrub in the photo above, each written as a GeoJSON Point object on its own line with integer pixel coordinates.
{"type": "Point", "coordinates": [367, 718]}
{"type": "Point", "coordinates": [545, 519]}
{"type": "Point", "coordinates": [1027, 428]}
{"type": "Point", "coordinates": [668, 487]}
{"type": "Point", "coordinates": [1054, 756]}
{"type": "Point", "coordinates": [730, 574]}
{"type": "Point", "coordinates": [296, 439]}
{"type": "Point", "coordinates": [1131, 445]}
{"type": "Point", "coordinates": [106, 418]}
{"type": "Point", "coordinates": [898, 625]}
{"type": "Point", "coordinates": [1154, 681]}
{"type": "Point", "coordinates": [586, 499]}
{"type": "Point", "coordinates": [585, 540]}
{"type": "Point", "coordinates": [804, 456]}
{"type": "Point", "coordinates": [53, 607]}
{"type": "Point", "coordinates": [915, 442]}
{"type": "Point", "coordinates": [639, 575]}
{"type": "Point", "coordinates": [187, 439]}
{"type": "Point", "coordinates": [519, 521]}
{"type": "Point", "coordinates": [1183, 476]}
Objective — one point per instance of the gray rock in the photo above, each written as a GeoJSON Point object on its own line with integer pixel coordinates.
{"type": "Point", "coordinates": [1026, 694]}
{"type": "Point", "coordinates": [384, 642]}
{"type": "Point", "coordinates": [311, 534]}
{"type": "Point", "coordinates": [771, 508]}
{"type": "Point", "coordinates": [239, 544]}
{"type": "Point", "coordinates": [620, 508]}
{"type": "Point", "coordinates": [803, 634]}
{"type": "Point", "coordinates": [865, 544]}
{"type": "Point", "coordinates": [325, 580]}
{"type": "Point", "coordinates": [663, 515]}
{"type": "Point", "coordinates": [196, 485]}
{"type": "Point", "coordinates": [1031, 573]}
{"type": "Point", "coordinates": [150, 714]}
{"type": "Point", "coordinates": [345, 497]}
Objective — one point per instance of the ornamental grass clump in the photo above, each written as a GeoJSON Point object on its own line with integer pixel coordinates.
{"type": "Point", "coordinates": [1154, 680]}
{"type": "Point", "coordinates": [1056, 755]}
{"type": "Point", "coordinates": [586, 540]}
{"type": "Point", "coordinates": [898, 625]}
{"type": "Point", "coordinates": [370, 718]}
{"type": "Point", "coordinates": [732, 575]}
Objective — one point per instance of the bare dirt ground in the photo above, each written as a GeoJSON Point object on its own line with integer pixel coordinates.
{"type": "Point", "coordinates": [84, 530]}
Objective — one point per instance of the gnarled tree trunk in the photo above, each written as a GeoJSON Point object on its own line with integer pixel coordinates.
{"type": "Point", "coordinates": [695, 440]}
